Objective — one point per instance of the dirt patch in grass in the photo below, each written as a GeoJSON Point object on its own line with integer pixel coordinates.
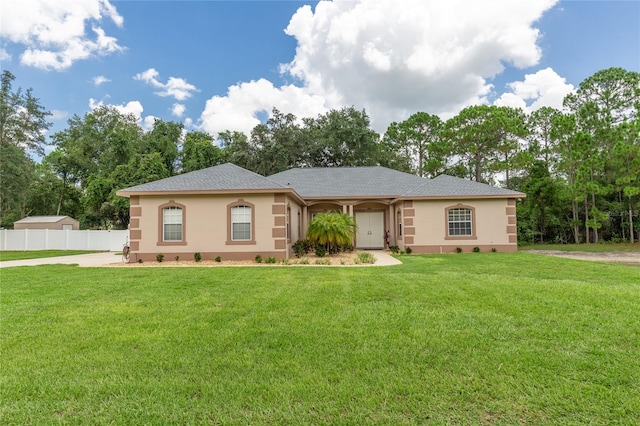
{"type": "Point", "coordinates": [627, 258]}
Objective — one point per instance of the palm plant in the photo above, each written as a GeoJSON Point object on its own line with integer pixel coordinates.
{"type": "Point", "coordinates": [332, 230]}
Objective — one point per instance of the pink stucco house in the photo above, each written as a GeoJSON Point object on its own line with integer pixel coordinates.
{"type": "Point", "coordinates": [233, 213]}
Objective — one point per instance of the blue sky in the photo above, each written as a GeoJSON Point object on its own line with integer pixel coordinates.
{"type": "Point", "coordinates": [217, 65]}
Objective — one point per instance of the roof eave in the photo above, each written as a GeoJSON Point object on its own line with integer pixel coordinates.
{"type": "Point", "coordinates": [128, 194]}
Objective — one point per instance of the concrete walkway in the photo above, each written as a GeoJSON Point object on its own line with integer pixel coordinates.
{"type": "Point", "coordinates": [91, 259]}
{"type": "Point", "coordinates": [383, 258]}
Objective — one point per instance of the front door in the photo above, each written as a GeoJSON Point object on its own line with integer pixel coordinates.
{"type": "Point", "coordinates": [370, 232]}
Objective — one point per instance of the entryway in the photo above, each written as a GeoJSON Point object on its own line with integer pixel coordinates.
{"type": "Point", "coordinates": [370, 234]}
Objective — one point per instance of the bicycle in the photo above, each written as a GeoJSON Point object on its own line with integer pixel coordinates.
{"type": "Point", "coordinates": [126, 252]}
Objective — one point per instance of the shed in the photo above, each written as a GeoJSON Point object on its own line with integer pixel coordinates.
{"type": "Point", "coordinates": [47, 222]}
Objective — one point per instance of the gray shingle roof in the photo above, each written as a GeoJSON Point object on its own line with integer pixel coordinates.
{"type": "Point", "coordinates": [324, 182]}
{"type": "Point", "coordinates": [381, 182]}
{"type": "Point", "coordinates": [348, 181]}
{"type": "Point", "coordinates": [225, 177]}
{"type": "Point", "coordinates": [445, 185]}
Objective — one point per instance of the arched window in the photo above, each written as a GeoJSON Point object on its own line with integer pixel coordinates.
{"type": "Point", "coordinates": [241, 223]}
{"type": "Point", "coordinates": [460, 222]}
{"type": "Point", "coordinates": [171, 223]}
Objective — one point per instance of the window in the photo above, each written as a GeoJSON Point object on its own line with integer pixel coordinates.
{"type": "Point", "coordinates": [399, 222]}
{"type": "Point", "coordinates": [460, 222]}
{"type": "Point", "coordinates": [172, 224]}
{"type": "Point", "coordinates": [241, 223]}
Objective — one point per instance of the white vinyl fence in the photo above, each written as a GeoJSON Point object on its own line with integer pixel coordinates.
{"type": "Point", "coordinates": [50, 239]}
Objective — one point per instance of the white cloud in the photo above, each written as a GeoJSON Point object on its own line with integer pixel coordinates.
{"type": "Point", "coordinates": [178, 110]}
{"type": "Point", "coordinates": [53, 32]}
{"type": "Point", "coordinates": [4, 55]}
{"type": "Point", "coordinates": [393, 58]}
{"type": "Point", "coordinates": [239, 109]}
{"type": "Point", "coordinates": [131, 107]}
{"type": "Point", "coordinates": [58, 115]}
{"type": "Point", "coordinates": [544, 88]}
{"type": "Point", "coordinates": [101, 79]}
{"type": "Point", "coordinates": [178, 88]}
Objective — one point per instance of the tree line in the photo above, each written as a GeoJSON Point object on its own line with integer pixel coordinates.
{"type": "Point", "coordinates": [580, 166]}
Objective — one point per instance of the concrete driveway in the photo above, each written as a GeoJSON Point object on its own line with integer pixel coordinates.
{"type": "Point", "coordinates": [91, 259]}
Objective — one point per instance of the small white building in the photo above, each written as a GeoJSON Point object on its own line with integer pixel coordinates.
{"type": "Point", "coordinates": [47, 222]}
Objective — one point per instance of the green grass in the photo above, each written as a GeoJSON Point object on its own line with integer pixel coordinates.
{"type": "Point", "coordinates": [594, 248]}
{"type": "Point", "coordinates": [38, 254]}
{"type": "Point", "coordinates": [488, 338]}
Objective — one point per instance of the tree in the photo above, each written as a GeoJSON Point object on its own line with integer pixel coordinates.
{"type": "Point", "coordinates": [23, 121]}
{"type": "Point", "coordinates": [237, 149]}
{"type": "Point", "coordinates": [22, 129]}
{"type": "Point", "coordinates": [417, 141]}
{"type": "Point", "coordinates": [542, 145]}
{"type": "Point", "coordinates": [164, 139]}
{"type": "Point", "coordinates": [332, 230]}
{"type": "Point", "coordinates": [602, 104]}
{"type": "Point", "coordinates": [97, 143]}
{"type": "Point", "coordinates": [485, 139]}
{"type": "Point", "coordinates": [16, 173]}
{"type": "Point", "coordinates": [199, 152]}
{"type": "Point", "coordinates": [341, 138]}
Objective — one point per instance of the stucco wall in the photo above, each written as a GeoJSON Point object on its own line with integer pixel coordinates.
{"type": "Point", "coordinates": [206, 226]}
{"type": "Point", "coordinates": [425, 226]}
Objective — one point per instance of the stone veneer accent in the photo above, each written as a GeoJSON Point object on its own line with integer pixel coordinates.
{"type": "Point", "coordinates": [279, 230]}
{"type": "Point", "coordinates": [512, 229]}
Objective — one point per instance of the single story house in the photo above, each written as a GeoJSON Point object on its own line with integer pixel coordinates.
{"type": "Point", "coordinates": [47, 222]}
{"type": "Point", "coordinates": [233, 213]}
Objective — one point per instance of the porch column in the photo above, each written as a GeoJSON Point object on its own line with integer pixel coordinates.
{"type": "Point", "coordinates": [305, 222]}
{"type": "Point", "coordinates": [392, 227]}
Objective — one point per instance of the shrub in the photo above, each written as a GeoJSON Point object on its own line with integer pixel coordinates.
{"type": "Point", "coordinates": [346, 248]}
{"type": "Point", "coordinates": [409, 250]}
{"type": "Point", "coordinates": [218, 259]}
{"type": "Point", "coordinates": [302, 247]}
{"type": "Point", "coordinates": [139, 260]}
{"type": "Point", "coordinates": [476, 249]}
{"type": "Point", "coordinates": [270, 259]}
{"type": "Point", "coordinates": [159, 257]}
{"type": "Point", "coordinates": [285, 261]}
{"type": "Point", "coordinates": [394, 249]}
{"type": "Point", "coordinates": [320, 251]}
{"type": "Point", "coordinates": [493, 250]}
{"type": "Point", "coordinates": [332, 230]}
{"type": "Point", "coordinates": [177, 258]}
{"type": "Point", "coordinates": [197, 256]}
{"type": "Point", "coordinates": [258, 258]}
{"type": "Point", "coordinates": [323, 262]}
{"type": "Point", "coordinates": [458, 249]}
{"type": "Point", "coordinates": [303, 261]}
{"type": "Point", "coordinates": [364, 257]}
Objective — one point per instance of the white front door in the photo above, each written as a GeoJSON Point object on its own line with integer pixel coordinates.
{"type": "Point", "coordinates": [370, 232]}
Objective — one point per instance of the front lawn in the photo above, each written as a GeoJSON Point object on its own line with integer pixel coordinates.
{"type": "Point", "coordinates": [38, 254]}
{"type": "Point", "coordinates": [478, 338]}
{"type": "Point", "coordinates": [593, 248]}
